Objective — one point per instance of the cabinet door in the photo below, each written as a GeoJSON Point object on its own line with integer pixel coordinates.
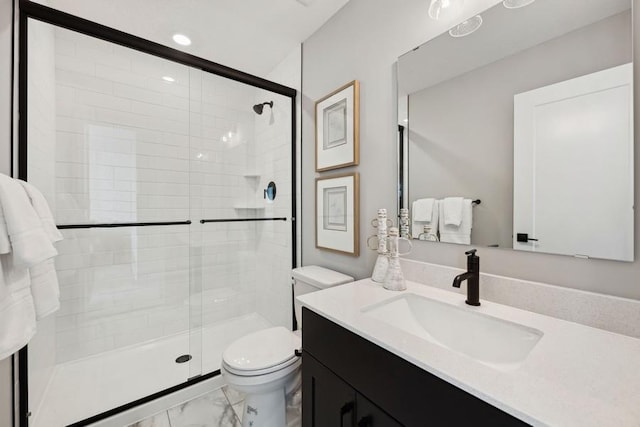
{"type": "Point", "coordinates": [369, 415]}
{"type": "Point", "coordinates": [327, 401]}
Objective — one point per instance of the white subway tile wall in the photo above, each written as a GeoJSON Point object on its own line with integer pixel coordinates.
{"type": "Point", "coordinates": [273, 162]}
{"type": "Point", "coordinates": [122, 132]}
{"type": "Point", "coordinates": [132, 147]}
{"type": "Point", "coordinates": [120, 287]}
{"type": "Point", "coordinates": [122, 155]}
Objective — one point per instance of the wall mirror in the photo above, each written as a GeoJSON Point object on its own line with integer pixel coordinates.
{"type": "Point", "coordinates": [519, 134]}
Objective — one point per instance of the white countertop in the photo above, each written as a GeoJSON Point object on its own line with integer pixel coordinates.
{"type": "Point", "coordinates": [575, 376]}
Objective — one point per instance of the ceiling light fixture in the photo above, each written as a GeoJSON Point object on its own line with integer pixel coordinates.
{"type": "Point", "coordinates": [168, 79]}
{"type": "Point", "coordinates": [436, 6]}
{"type": "Point", "coordinates": [181, 39]}
{"type": "Point", "coordinates": [466, 27]}
{"type": "Point", "coordinates": [516, 4]}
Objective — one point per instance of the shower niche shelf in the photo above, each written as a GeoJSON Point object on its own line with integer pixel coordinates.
{"type": "Point", "coordinates": [251, 175]}
{"type": "Point", "coordinates": [248, 207]}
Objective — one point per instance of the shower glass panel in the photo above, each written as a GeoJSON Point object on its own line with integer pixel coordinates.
{"type": "Point", "coordinates": [108, 143]}
{"type": "Point", "coordinates": [245, 241]}
{"type": "Point", "coordinates": [156, 173]}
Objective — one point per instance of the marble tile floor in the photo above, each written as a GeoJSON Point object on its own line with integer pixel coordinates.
{"type": "Point", "coordinates": [220, 408]}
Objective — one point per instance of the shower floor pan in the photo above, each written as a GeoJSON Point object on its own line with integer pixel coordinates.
{"type": "Point", "coordinates": [83, 388]}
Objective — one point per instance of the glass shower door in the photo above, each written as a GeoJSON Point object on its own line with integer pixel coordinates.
{"type": "Point", "coordinates": [243, 238]}
{"type": "Point", "coordinates": [108, 145]}
{"type": "Point", "coordinates": [157, 174]}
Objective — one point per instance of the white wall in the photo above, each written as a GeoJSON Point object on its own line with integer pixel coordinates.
{"type": "Point", "coordinates": [6, 385]}
{"type": "Point", "coordinates": [363, 42]}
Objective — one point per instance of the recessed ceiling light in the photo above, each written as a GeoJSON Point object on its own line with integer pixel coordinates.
{"type": "Point", "coordinates": [515, 4]}
{"type": "Point", "coordinates": [181, 39]}
{"type": "Point", "coordinates": [467, 27]}
{"type": "Point", "coordinates": [168, 79]}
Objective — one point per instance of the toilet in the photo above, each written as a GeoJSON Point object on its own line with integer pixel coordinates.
{"type": "Point", "coordinates": [264, 364]}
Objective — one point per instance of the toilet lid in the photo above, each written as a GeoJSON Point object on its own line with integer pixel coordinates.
{"type": "Point", "coordinates": [262, 350]}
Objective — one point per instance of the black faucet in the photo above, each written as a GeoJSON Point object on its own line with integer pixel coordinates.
{"type": "Point", "coordinates": [473, 278]}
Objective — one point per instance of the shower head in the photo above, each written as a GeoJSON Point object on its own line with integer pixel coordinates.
{"type": "Point", "coordinates": [259, 107]}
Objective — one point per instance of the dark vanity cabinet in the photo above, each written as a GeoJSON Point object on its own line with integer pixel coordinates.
{"type": "Point", "coordinates": [334, 402]}
{"type": "Point", "coordinates": [350, 382]}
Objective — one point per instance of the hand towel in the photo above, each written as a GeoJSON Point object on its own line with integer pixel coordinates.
{"type": "Point", "coordinates": [44, 280]}
{"type": "Point", "coordinates": [423, 209]}
{"type": "Point", "coordinates": [17, 313]}
{"type": "Point", "coordinates": [462, 233]}
{"type": "Point", "coordinates": [41, 207]}
{"type": "Point", "coordinates": [452, 209]}
{"type": "Point", "coordinates": [28, 281]}
{"type": "Point", "coordinates": [417, 227]}
{"type": "Point", "coordinates": [30, 244]}
{"type": "Point", "coordinates": [5, 244]}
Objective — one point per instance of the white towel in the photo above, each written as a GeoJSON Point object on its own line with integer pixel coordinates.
{"type": "Point", "coordinates": [423, 209]}
{"type": "Point", "coordinates": [462, 233]}
{"type": "Point", "coordinates": [17, 314]}
{"type": "Point", "coordinates": [28, 282]}
{"type": "Point", "coordinates": [5, 244]}
{"type": "Point", "coordinates": [44, 280]}
{"type": "Point", "coordinates": [30, 244]}
{"type": "Point", "coordinates": [41, 207]}
{"type": "Point", "coordinates": [452, 211]}
{"type": "Point", "coordinates": [417, 227]}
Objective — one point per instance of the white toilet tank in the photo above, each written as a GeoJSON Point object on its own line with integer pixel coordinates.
{"type": "Point", "coordinates": [314, 278]}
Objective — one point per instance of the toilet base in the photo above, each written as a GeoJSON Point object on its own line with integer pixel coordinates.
{"type": "Point", "coordinates": [265, 409]}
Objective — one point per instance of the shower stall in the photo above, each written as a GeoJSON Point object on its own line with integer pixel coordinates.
{"type": "Point", "coordinates": [156, 165]}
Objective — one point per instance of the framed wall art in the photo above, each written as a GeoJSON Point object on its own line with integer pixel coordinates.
{"type": "Point", "coordinates": [338, 128]}
{"type": "Point", "coordinates": [338, 213]}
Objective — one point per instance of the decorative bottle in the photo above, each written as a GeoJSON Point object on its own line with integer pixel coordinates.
{"type": "Point", "coordinates": [404, 223]}
{"type": "Point", "coordinates": [394, 279]}
{"type": "Point", "coordinates": [382, 262]}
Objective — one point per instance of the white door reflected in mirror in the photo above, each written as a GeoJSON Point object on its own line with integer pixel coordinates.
{"type": "Point", "coordinates": [573, 151]}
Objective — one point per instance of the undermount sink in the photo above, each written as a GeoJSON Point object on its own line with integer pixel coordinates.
{"type": "Point", "coordinates": [495, 342]}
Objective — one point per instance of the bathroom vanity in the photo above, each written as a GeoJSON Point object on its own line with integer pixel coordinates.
{"type": "Point", "coordinates": [373, 357]}
{"type": "Point", "coordinates": [335, 383]}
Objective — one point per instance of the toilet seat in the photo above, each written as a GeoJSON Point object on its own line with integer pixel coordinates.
{"type": "Point", "coordinates": [262, 352]}
{"type": "Point", "coordinates": [265, 371]}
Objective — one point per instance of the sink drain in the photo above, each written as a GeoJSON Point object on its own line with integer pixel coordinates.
{"type": "Point", "coordinates": [184, 358]}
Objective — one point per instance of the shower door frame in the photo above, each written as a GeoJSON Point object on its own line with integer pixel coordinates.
{"type": "Point", "coordinates": [29, 9]}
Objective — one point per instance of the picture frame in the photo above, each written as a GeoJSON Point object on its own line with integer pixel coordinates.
{"type": "Point", "coordinates": [338, 128]}
{"type": "Point", "coordinates": [338, 213]}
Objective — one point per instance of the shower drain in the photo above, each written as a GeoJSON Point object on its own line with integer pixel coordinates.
{"type": "Point", "coordinates": [184, 358]}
